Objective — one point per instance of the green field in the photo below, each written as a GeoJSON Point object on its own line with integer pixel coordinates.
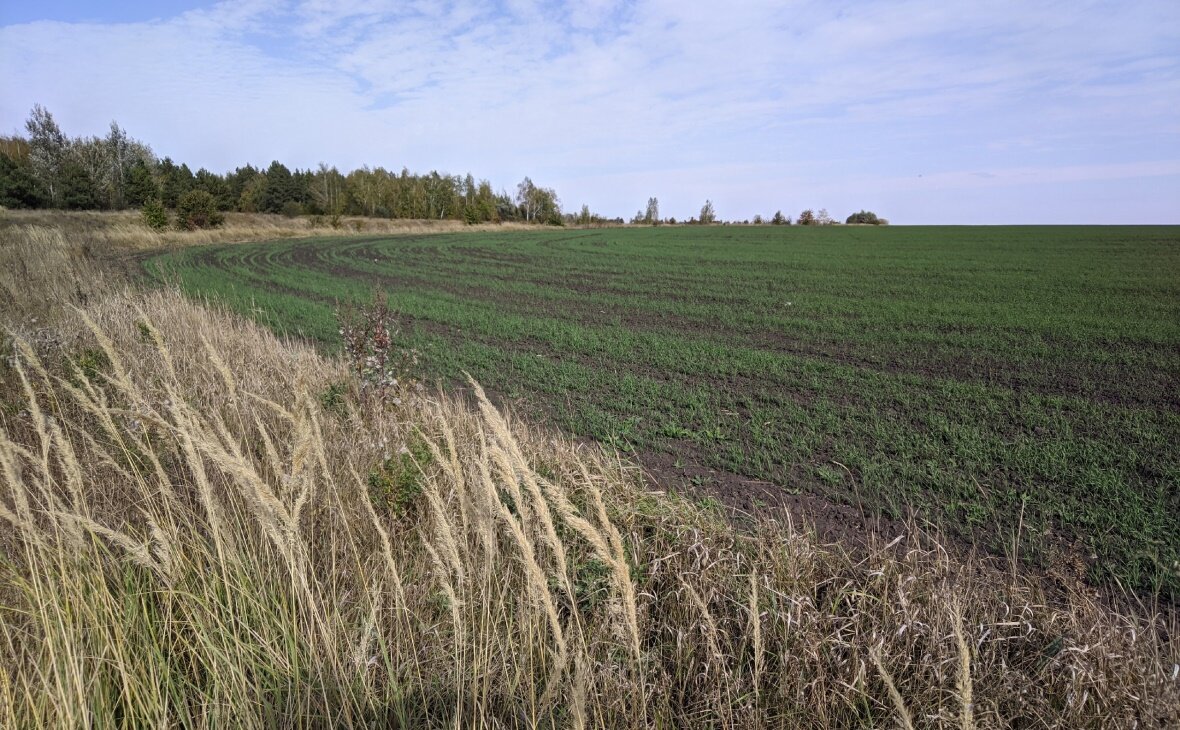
{"type": "Point", "coordinates": [984, 378]}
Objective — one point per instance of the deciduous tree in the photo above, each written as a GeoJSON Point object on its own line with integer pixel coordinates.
{"type": "Point", "coordinates": [652, 213]}
{"type": "Point", "coordinates": [47, 151]}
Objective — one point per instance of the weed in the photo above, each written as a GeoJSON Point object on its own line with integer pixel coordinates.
{"type": "Point", "coordinates": [592, 584]}
{"type": "Point", "coordinates": [334, 398]}
{"type": "Point", "coordinates": [90, 363]}
{"type": "Point", "coordinates": [708, 502]}
{"type": "Point", "coordinates": [396, 482]}
{"type": "Point", "coordinates": [382, 367]}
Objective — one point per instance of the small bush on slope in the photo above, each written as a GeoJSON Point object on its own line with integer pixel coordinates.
{"type": "Point", "coordinates": [197, 209]}
{"type": "Point", "coordinates": [193, 544]}
{"type": "Point", "coordinates": [155, 216]}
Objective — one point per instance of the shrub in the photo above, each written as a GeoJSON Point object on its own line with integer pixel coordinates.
{"type": "Point", "coordinates": [864, 217]}
{"type": "Point", "coordinates": [397, 481]}
{"type": "Point", "coordinates": [197, 209]}
{"type": "Point", "coordinates": [291, 209]}
{"type": "Point", "coordinates": [154, 215]}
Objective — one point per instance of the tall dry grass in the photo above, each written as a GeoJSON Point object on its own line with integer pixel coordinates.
{"type": "Point", "coordinates": [42, 270]}
{"type": "Point", "coordinates": [125, 230]}
{"type": "Point", "coordinates": [53, 259]}
{"type": "Point", "coordinates": [199, 536]}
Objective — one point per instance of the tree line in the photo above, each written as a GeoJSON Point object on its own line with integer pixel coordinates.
{"type": "Point", "coordinates": [47, 169]}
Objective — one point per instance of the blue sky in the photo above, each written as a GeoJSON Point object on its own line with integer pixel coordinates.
{"type": "Point", "coordinates": [925, 111]}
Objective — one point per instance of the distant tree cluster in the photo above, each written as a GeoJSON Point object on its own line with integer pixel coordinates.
{"type": "Point", "coordinates": [811, 218]}
{"type": "Point", "coordinates": [866, 217]}
{"type": "Point", "coordinates": [651, 215]}
{"type": "Point", "coordinates": [708, 215]}
{"type": "Point", "coordinates": [586, 218]}
{"type": "Point", "coordinates": [47, 169]}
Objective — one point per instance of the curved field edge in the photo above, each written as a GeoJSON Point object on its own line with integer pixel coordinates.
{"type": "Point", "coordinates": [211, 526]}
{"type": "Point", "coordinates": [1015, 386]}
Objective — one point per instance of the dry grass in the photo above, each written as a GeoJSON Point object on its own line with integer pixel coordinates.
{"type": "Point", "coordinates": [125, 231]}
{"type": "Point", "coordinates": [49, 259]}
{"type": "Point", "coordinates": [42, 270]}
{"type": "Point", "coordinates": [196, 540]}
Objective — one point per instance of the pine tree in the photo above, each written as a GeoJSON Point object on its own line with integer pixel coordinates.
{"type": "Point", "coordinates": [77, 190]}
{"type": "Point", "coordinates": [18, 187]}
{"type": "Point", "coordinates": [139, 186]}
{"type": "Point", "coordinates": [279, 190]}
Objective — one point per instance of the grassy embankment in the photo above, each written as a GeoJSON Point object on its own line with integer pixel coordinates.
{"type": "Point", "coordinates": [1015, 386]}
{"type": "Point", "coordinates": [212, 526]}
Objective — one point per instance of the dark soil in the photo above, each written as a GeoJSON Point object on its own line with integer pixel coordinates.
{"type": "Point", "coordinates": [743, 498]}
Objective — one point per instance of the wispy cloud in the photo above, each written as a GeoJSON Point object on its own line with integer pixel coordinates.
{"type": "Point", "coordinates": [760, 106]}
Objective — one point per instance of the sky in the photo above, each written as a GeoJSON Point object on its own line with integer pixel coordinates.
{"type": "Point", "coordinates": [923, 111]}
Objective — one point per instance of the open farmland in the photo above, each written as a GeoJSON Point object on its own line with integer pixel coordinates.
{"type": "Point", "coordinates": [1011, 385]}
